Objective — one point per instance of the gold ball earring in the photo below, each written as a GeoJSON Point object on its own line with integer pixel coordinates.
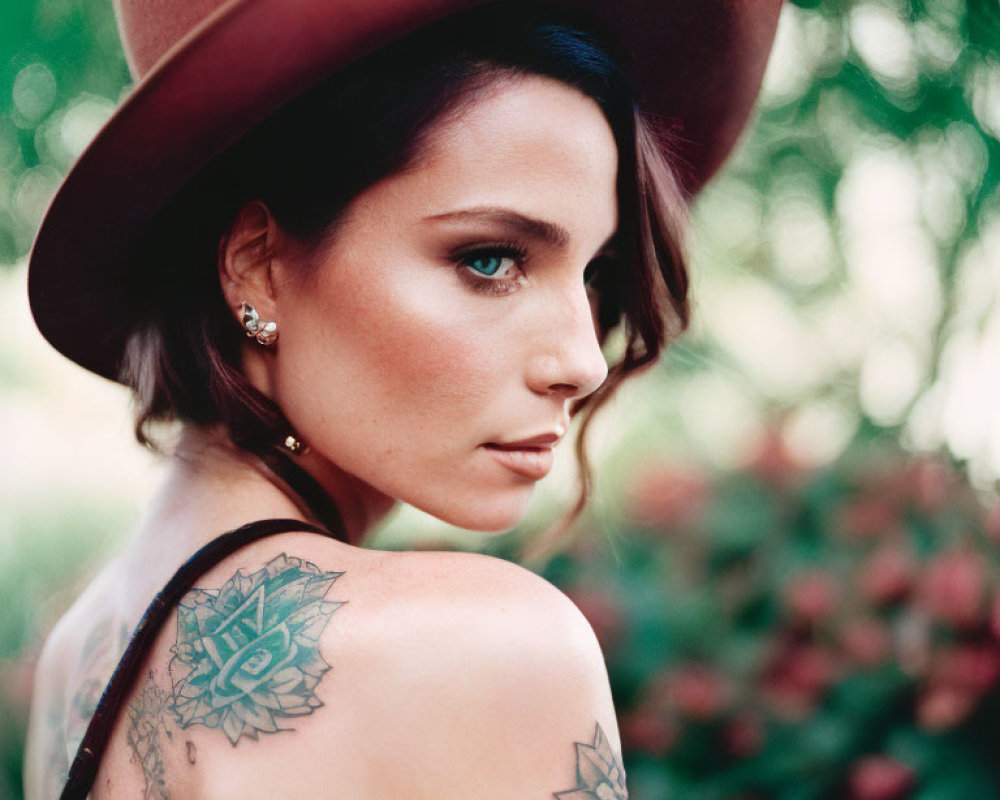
{"type": "Point", "coordinates": [266, 333]}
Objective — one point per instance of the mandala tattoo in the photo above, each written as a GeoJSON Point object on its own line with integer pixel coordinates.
{"type": "Point", "coordinates": [147, 723]}
{"type": "Point", "coordinates": [599, 772]}
{"type": "Point", "coordinates": [247, 655]}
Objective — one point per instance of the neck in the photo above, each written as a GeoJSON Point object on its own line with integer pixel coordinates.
{"type": "Point", "coordinates": [210, 455]}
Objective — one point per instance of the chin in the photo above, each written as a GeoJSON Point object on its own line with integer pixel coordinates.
{"type": "Point", "coordinates": [495, 514]}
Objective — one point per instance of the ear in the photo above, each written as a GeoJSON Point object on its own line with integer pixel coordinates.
{"type": "Point", "coordinates": [244, 259]}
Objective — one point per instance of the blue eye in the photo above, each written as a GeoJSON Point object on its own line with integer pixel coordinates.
{"type": "Point", "coordinates": [497, 268]}
{"type": "Point", "coordinates": [490, 265]}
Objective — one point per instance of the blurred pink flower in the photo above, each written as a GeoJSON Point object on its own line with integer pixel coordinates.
{"type": "Point", "coordinates": [952, 586]}
{"type": "Point", "coordinates": [695, 691]}
{"type": "Point", "coordinates": [957, 678]}
{"type": "Point", "coordinates": [773, 462]}
{"type": "Point", "coordinates": [991, 522]}
{"type": "Point", "coordinates": [669, 496]}
{"type": "Point", "coordinates": [794, 683]}
{"type": "Point", "coordinates": [743, 736]}
{"type": "Point", "coordinates": [870, 516]}
{"type": "Point", "coordinates": [788, 701]}
{"type": "Point", "coordinates": [931, 484]}
{"type": "Point", "coordinates": [995, 616]}
{"type": "Point", "coordinates": [880, 778]}
{"type": "Point", "coordinates": [603, 612]}
{"type": "Point", "coordinates": [943, 706]}
{"type": "Point", "coordinates": [811, 595]}
{"type": "Point", "coordinates": [648, 731]}
{"type": "Point", "coordinates": [887, 575]}
{"type": "Point", "coordinates": [974, 667]}
{"type": "Point", "coordinates": [812, 667]}
{"type": "Point", "coordinates": [866, 641]}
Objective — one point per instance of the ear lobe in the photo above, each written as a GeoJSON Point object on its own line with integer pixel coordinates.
{"type": "Point", "coordinates": [244, 258]}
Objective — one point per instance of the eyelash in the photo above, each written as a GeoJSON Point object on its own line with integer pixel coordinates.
{"type": "Point", "coordinates": [517, 252]}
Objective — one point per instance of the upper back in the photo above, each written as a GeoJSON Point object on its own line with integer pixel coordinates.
{"type": "Point", "coordinates": [303, 667]}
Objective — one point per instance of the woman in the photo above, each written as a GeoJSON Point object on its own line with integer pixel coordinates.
{"type": "Point", "coordinates": [374, 259]}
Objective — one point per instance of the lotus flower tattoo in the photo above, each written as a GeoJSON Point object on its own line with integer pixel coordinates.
{"type": "Point", "coordinates": [599, 773]}
{"type": "Point", "coordinates": [247, 655]}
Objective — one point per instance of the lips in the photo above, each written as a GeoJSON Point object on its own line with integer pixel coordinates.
{"type": "Point", "coordinates": [531, 462]}
{"type": "Point", "coordinates": [531, 458]}
{"type": "Point", "coordinates": [544, 440]}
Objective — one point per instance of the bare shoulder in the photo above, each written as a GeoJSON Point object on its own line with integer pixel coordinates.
{"type": "Point", "coordinates": [494, 614]}
{"type": "Point", "coordinates": [300, 664]}
{"type": "Point", "coordinates": [479, 676]}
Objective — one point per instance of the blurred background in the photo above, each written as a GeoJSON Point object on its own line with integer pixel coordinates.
{"type": "Point", "coordinates": [793, 556]}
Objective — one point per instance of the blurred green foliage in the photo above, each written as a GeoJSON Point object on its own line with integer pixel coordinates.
{"type": "Point", "coordinates": [61, 72]}
{"type": "Point", "coordinates": [780, 633]}
{"type": "Point", "coordinates": [847, 256]}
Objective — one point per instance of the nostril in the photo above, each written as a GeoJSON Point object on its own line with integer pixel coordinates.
{"type": "Point", "coordinates": [565, 388]}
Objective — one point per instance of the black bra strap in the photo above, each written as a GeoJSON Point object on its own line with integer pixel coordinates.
{"type": "Point", "coordinates": [83, 770]}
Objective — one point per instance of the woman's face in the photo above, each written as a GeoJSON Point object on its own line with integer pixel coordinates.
{"type": "Point", "coordinates": [450, 314]}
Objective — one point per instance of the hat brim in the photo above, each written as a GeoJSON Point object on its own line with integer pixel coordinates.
{"type": "Point", "coordinates": [697, 65]}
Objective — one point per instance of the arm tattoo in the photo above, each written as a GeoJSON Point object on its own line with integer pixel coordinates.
{"type": "Point", "coordinates": [247, 655]}
{"type": "Point", "coordinates": [146, 722]}
{"type": "Point", "coordinates": [599, 772]}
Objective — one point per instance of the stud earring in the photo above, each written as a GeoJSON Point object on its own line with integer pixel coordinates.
{"type": "Point", "coordinates": [266, 333]}
{"type": "Point", "coordinates": [294, 445]}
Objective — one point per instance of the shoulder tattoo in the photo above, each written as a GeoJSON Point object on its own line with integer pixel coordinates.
{"type": "Point", "coordinates": [599, 772]}
{"type": "Point", "coordinates": [247, 655]}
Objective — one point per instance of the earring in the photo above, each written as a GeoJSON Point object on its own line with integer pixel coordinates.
{"type": "Point", "coordinates": [293, 445]}
{"type": "Point", "coordinates": [266, 333]}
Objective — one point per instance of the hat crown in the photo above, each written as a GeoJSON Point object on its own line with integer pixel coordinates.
{"type": "Point", "coordinates": [149, 28]}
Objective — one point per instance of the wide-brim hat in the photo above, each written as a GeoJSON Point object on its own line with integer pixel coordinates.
{"type": "Point", "coordinates": [208, 71]}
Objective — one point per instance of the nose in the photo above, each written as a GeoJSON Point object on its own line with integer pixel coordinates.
{"type": "Point", "coordinates": [566, 356]}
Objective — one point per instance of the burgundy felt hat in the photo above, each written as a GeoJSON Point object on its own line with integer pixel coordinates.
{"type": "Point", "coordinates": [209, 70]}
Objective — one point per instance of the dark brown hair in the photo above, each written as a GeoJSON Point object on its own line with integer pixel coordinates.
{"type": "Point", "coordinates": [308, 160]}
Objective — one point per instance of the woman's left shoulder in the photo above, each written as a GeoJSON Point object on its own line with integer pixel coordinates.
{"type": "Point", "coordinates": [477, 670]}
{"type": "Point", "coordinates": [500, 593]}
{"type": "Point", "coordinates": [485, 627]}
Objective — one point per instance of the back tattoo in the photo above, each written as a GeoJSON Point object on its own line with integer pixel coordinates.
{"type": "Point", "coordinates": [246, 661]}
{"type": "Point", "coordinates": [247, 656]}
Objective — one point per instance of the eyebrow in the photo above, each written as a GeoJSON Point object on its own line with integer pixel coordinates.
{"type": "Point", "coordinates": [549, 232]}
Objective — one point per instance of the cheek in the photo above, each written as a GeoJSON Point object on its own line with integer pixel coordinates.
{"type": "Point", "coordinates": [398, 380]}
{"type": "Point", "coordinates": [402, 355]}
{"type": "Point", "coordinates": [423, 349]}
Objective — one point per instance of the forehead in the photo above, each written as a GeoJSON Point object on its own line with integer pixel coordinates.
{"type": "Point", "coordinates": [530, 128]}
{"type": "Point", "coordinates": [514, 115]}
{"type": "Point", "coordinates": [531, 144]}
